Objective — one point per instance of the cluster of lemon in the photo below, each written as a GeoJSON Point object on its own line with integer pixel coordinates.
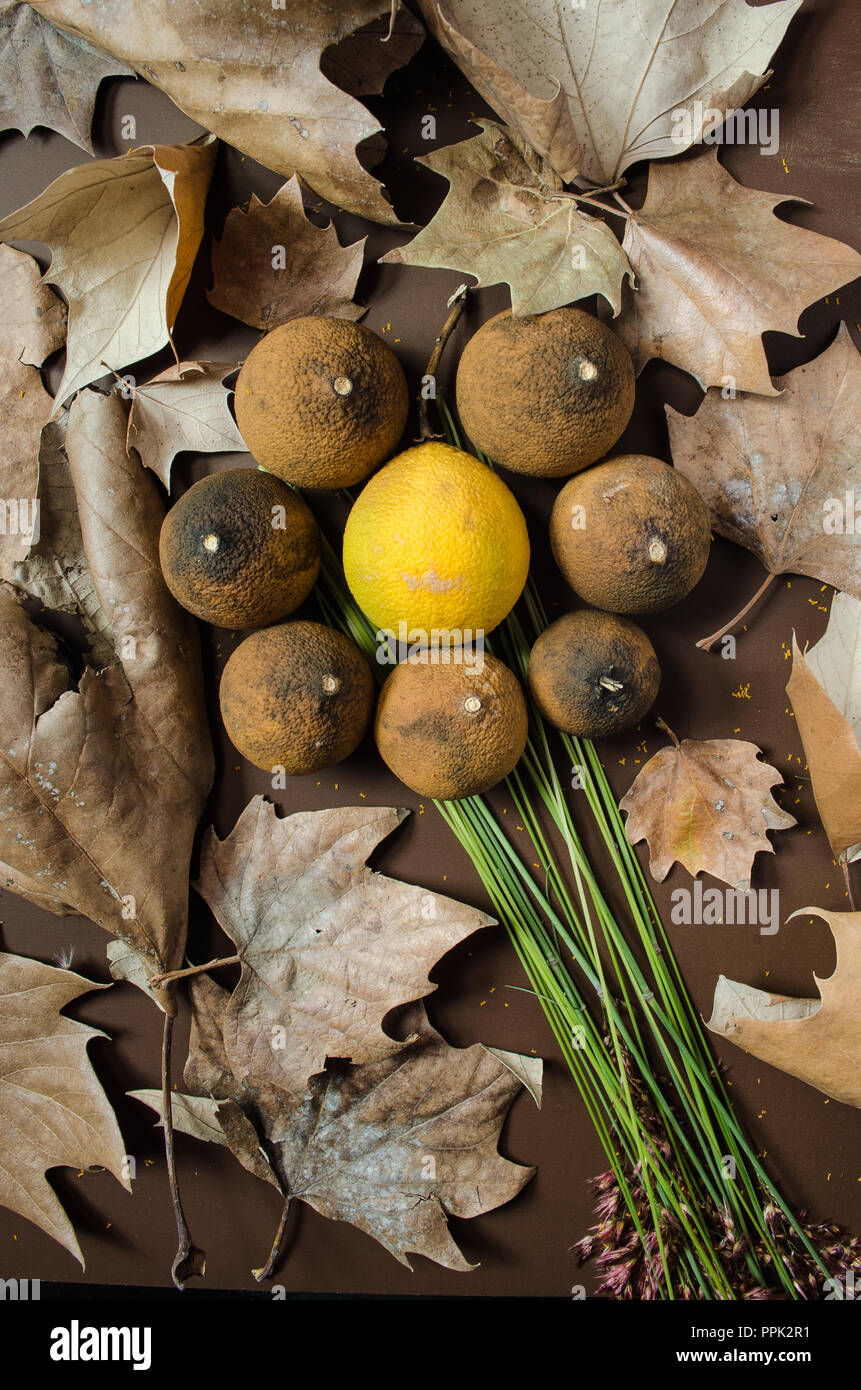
{"type": "Point", "coordinates": [435, 545]}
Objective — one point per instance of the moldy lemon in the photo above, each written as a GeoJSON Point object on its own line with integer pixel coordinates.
{"type": "Point", "coordinates": [593, 674]}
{"type": "Point", "coordinates": [436, 540]}
{"type": "Point", "coordinates": [450, 731]}
{"type": "Point", "coordinates": [545, 394]}
{"type": "Point", "coordinates": [298, 695]}
{"type": "Point", "coordinates": [631, 535]}
{"type": "Point", "coordinates": [321, 401]}
{"type": "Point", "coordinates": [240, 549]}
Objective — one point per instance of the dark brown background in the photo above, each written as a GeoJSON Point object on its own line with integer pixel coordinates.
{"type": "Point", "coordinates": [811, 1145]}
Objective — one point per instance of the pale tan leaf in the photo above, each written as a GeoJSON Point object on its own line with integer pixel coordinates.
{"type": "Point", "coordinates": [123, 233]}
{"type": "Point", "coordinates": [318, 276]}
{"type": "Point", "coordinates": [185, 407]}
{"type": "Point", "coordinates": [102, 786]}
{"type": "Point", "coordinates": [833, 758]}
{"type": "Point", "coordinates": [47, 77]}
{"type": "Point", "coordinates": [625, 70]}
{"type": "Point", "coordinates": [32, 318]}
{"type": "Point", "coordinates": [327, 946]}
{"type": "Point", "coordinates": [706, 805]}
{"type": "Point", "coordinates": [835, 660]}
{"type": "Point", "coordinates": [501, 222]}
{"type": "Point", "coordinates": [716, 269]}
{"type": "Point", "coordinates": [817, 1040]}
{"type": "Point", "coordinates": [528, 1070]}
{"type": "Point", "coordinates": [53, 1112]}
{"type": "Point", "coordinates": [251, 73]}
{"type": "Point", "coordinates": [194, 1115]}
{"type": "Point", "coordinates": [769, 470]}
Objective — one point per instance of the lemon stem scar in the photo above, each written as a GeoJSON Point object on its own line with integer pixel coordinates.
{"type": "Point", "coordinates": [472, 704]}
{"type": "Point", "coordinates": [342, 385]}
{"type": "Point", "coordinates": [211, 543]}
{"type": "Point", "coordinates": [609, 684]}
{"type": "Point", "coordinates": [587, 370]}
{"type": "Point", "coordinates": [331, 685]}
{"type": "Point", "coordinates": [657, 550]}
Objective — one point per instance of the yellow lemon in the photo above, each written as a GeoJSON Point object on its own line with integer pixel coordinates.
{"type": "Point", "coordinates": [436, 541]}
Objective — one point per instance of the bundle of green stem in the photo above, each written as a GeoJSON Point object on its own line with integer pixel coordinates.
{"type": "Point", "coordinates": [686, 1210]}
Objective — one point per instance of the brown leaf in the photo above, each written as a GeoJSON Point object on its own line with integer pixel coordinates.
{"type": "Point", "coordinates": [392, 1146]}
{"type": "Point", "coordinates": [831, 749]}
{"type": "Point", "coordinates": [124, 234]}
{"type": "Point", "coordinates": [706, 805]}
{"type": "Point", "coordinates": [53, 1112]}
{"type": "Point", "coordinates": [252, 74]}
{"type": "Point", "coordinates": [318, 275]}
{"type": "Point", "coordinates": [47, 77]}
{"type": "Point", "coordinates": [817, 1040]}
{"type": "Point", "coordinates": [769, 469]}
{"type": "Point", "coordinates": [32, 318]}
{"type": "Point", "coordinates": [101, 787]}
{"type": "Point", "coordinates": [184, 407]}
{"type": "Point", "coordinates": [501, 221]}
{"type": "Point", "coordinates": [597, 87]}
{"type": "Point", "coordinates": [716, 269]}
{"type": "Point", "coordinates": [327, 946]}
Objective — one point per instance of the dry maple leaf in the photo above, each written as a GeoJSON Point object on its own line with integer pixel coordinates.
{"type": "Point", "coordinates": [825, 691]}
{"type": "Point", "coordinates": [393, 1146]}
{"type": "Point", "coordinates": [124, 233]}
{"type": "Point", "coordinates": [716, 269]}
{"type": "Point", "coordinates": [501, 221]}
{"type": "Point", "coordinates": [252, 74]}
{"type": "Point", "coordinates": [47, 77]}
{"type": "Point", "coordinates": [183, 408]}
{"type": "Point", "coordinates": [103, 785]}
{"type": "Point", "coordinates": [53, 1112]}
{"type": "Point", "coordinates": [770, 469]}
{"type": "Point", "coordinates": [597, 87]}
{"type": "Point", "coordinates": [327, 947]}
{"type": "Point", "coordinates": [816, 1040]}
{"type": "Point", "coordinates": [272, 264]}
{"type": "Point", "coordinates": [707, 805]}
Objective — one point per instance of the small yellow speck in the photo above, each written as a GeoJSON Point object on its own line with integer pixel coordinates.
{"type": "Point", "coordinates": [336, 785]}
{"type": "Point", "coordinates": [785, 166]}
{"type": "Point", "coordinates": [482, 1004]}
{"type": "Point", "coordinates": [363, 796]}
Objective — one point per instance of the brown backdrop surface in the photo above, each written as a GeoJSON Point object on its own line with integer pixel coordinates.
{"type": "Point", "coordinates": [811, 1145]}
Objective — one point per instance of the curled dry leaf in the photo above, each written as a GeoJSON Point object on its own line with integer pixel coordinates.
{"type": "Point", "coordinates": [124, 234]}
{"type": "Point", "coordinates": [53, 1112]}
{"type": "Point", "coordinates": [597, 87]}
{"type": "Point", "coordinates": [272, 264]}
{"type": "Point", "coordinates": [706, 805]}
{"type": "Point", "coordinates": [505, 219]}
{"type": "Point", "coordinates": [101, 786]}
{"type": "Point", "coordinates": [185, 407]}
{"type": "Point", "coordinates": [716, 269]}
{"type": "Point", "coordinates": [825, 691]}
{"type": "Point", "coordinates": [47, 77]}
{"type": "Point", "coordinates": [817, 1040]}
{"type": "Point", "coordinates": [393, 1146]}
{"type": "Point", "coordinates": [252, 75]}
{"type": "Point", "coordinates": [327, 947]}
{"type": "Point", "coordinates": [772, 472]}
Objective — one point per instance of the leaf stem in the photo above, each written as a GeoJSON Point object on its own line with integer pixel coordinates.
{"type": "Point", "coordinates": [706, 643]}
{"type": "Point", "coordinates": [275, 1253]}
{"type": "Point", "coordinates": [189, 1260]}
{"type": "Point", "coordinates": [171, 975]}
{"type": "Point", "coordinates": [455, 308]}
